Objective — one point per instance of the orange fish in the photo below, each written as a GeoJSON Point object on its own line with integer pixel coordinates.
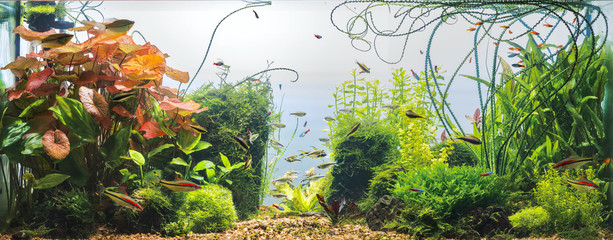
{"type": "Point", "coordinates": [535, 33]}
{"type": "Point", "coordinates": [495, 43]}
{"type": "Point", "coordinates": [510, 32]}
{"type": "Point", "coordinates": [540, 45]}
{"type": "Point", "coordinates": [471, 29]}
{"type": "Point", "coordinates": [504, 26]}
{"type": "Point", "coordinates": [515, 49]}
{"type": "Point", "coordinates": [547, 25]}
{"type": "Point", "coordinates": [559, 46]}
{"type": "Point", "coordinates": [606, 161]}
{"type": "Point", "coordinates": [470, 60]}
{"type": "Point", "coordinates": [478, 23]}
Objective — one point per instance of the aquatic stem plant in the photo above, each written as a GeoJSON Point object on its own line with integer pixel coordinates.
{"type": "Point", "coordinates": [269, 171]}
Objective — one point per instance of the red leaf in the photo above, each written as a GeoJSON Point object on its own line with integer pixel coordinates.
{"type": "Point", "coordinates": [184, 108]}
{"type": "Point", "coordinates": [35, 80]}
{"type": "Point", "coordinates": [87, 77]}
{"type": "Point", "coordinates": [45, 89]}
{"type": "Point", "coordinates": [151, 129]}
{"type": "Point", "coordinates": [56, 144]}
{"type": "Point", "coordinates": [122, 111]}
{"type": "Point", "coordinates": [16, 94]}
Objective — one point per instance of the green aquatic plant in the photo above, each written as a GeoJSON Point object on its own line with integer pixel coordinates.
{"type": "Point", "coordinates": [209, 209]}
{"type": "Point", "coordinates": [302, 199]}
{"type": "Point", "coordinates": [438, 196]}
{"type": "Point", "coordinates": [532, 219]}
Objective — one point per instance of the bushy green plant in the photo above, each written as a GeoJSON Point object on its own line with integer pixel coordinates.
{"type": "Point", "coordinates": [532, 219]}
{"type": "Point", "coordinates": [447, 194]}
{"type": "Point", "coordinates": [571, 211]}
{"type": "Point", "coordinates": [62, 213]}
{"type": "Point", "coordinates": [234, 110]}
{"type": "Point", "coordinates": [381, 184]}
{"type": "Point", "coordinates": [209, 209]}
{"type": "Point", "coordinates": [458, 153]}
{"type": "Point", "coordinates": [299, 199]}
{"type": "Point", "coordinates": [178, 228]}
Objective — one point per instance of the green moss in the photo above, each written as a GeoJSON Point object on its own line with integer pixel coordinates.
{"type": "Point", "coordinates": [61, 214]}
{"type": "Point", "coordinates": [209, 209]}
{"type": "Point", "coordinates": [532, 219]}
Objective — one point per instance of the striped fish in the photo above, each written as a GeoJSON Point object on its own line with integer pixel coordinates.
{"type": "Point", "coordinates": [572, 162]}
{"type": "Point", "coordinates": [353, 129]}
{"type": "Point", "coordinates": [411, 114]}
{"type": "Point", "coordinates": [180, 186]}
{"type": "Point", "coordinates": [241, 142]}
{"type": "Point", "coordinates": [363, 67]}
{"type": "Point", "coordinates": [470, 139]}
{"type": "Point", "coordinates": [582, 184]}
{"type": "Point", "coordinates": [123, 200]}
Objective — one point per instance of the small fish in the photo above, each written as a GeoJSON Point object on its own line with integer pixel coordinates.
{"type": "Point", "coordinates": [547, 25]}
{"type": "Point", "coordinates": [436, 68]}
{"type": "Point", "coordinates": [298, 114]}
{"type": "Point", "coordinates": [218, 63]}
{"type": "Point", "coordinates": [470, 139]}
{"type": "Point", "coordinates": [324, 139]}
{"type": "Point", "coordinates": [326, 165]}
{"type": "Point", "coordinates": [278, 125]}
{"type": "Point", "coordinates": [345, 110]}
{"type": "Point", "coordinates": [504, 26]}
{"type": "Point", "coordinates": [313, 178]}
{"type": "Point", "coordinates": [534, 32]}
{"type": "Point", "coordinates": [305, 123]}
{"type": "Point", "coordinates": [329, 119]}
{"type": "Point", "coordinates": [278, 207]}
{"type": "Point", "coordinates": [118, 27]}
{"type": "Point", "coordinates": [279, 195]}
{"type": "Point", "coordinates": [54, 40]}
{"type": "Point", "coordinates": [254, 79]}
{"type": "Point", "coordinates": [513, 55]}
{"type": "Point", "coordinates": [486, 174]}
{"type": "Point", "coordinates": [197, 128]}
{"type": "Point", "coordinates": [515, 49]}
{"type": "Point", "coordinates": [416, 189]}
{"type": "Point", "coordinates": [496, 43]}
{"type": "Point", "coordinates": [283, 180]}
{"type": "Point", "coordinates": [415, 75]}
{"type": "Point", "coordinates": [267, 114]}
{"type": "Point", "coordinates": [478, 23]}
{"type": "Point", "coordinates": [180, 186]}
{"type": "Point", "coordinates": [411, 114]}
{"type": "Point", "coordinates": [123, 96]}
{"type": "Point", "coordinates": [363, 67]}
{"type": "Point", "coordinates": [606, 161]}
{"type": "Point", "coordinates": [470, 60]}
{"type": "Point", "coordinates": [304, 133]}
{"type": "Point", "coordinates": [280, 86]}
{"type": "Point", "coordinates": [310, 172]}
{"type": "Point", "coordinates": [241, 142]}
{"type": "Point", "coordinates": [253, 137]}
{"type": "Point", "coordinates": [291, 173]}
{"type": "Point", "coordinates": [123, 200]}
{"type": "Point", "coordinates": [256, 14]}
{"type": "Point", "coordinates": [572, 162]}
{"type": "Point", "coordinates": [510, 32]}
{"type": "Point", "coordinates": [517, 65]}
{"type": "Point", "coordinates": [292, 158]}
{"type": "Point", "coordinates": [275, 143]}
{"type": "Point", "coordinates": [353, 129]}
{"type": "Point", "coordinates": [421, 52]}
{"type": "Point", "coordinates": [471, 29]}
{"type": "Point", "coordinates": [582, 184]}
{"type": "Point", "coordinates": [248, 162]}
{"type": "Point", "coordinates": [318, 36]}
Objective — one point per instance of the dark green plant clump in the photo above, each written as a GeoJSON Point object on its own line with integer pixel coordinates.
{"type": "Point", "coordinates": [61, 213]}
{"type": "Point", "coordinates": [458, 153]}
{"type": "Point", "coordinates": [448, 194]}
{"type": "Point", "coordinates": [232, 112]}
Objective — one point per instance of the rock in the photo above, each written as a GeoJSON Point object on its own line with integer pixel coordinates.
{"type": "Point", "coordinates": [489, 221]}
{"type": "Point", "coordinates": [21, 235]}
{"type": "Point", "coordinates": [385, 210]}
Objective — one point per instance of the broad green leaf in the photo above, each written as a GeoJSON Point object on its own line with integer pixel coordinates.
{"type": "Point", "coordinates": [229, 181]}
{"type": "Point", "coordinates": [124, 171]}
{"type": "Point", "coordinates": [197, 177]}
{"type": "Point", "coordinates": [116, 145]}
{"type": "Point", "coordinates": [201, 146]}
{"type": "Point", "coordinates": [204, 164]}
{"type": "Point", "coordinates": [238, 165]}
{"type": "Point", "coordinates": [137, 157]}
{"type": "Point", "coordinates": [74, 165]}
{"type": "Point", "coordinates": [13, 133]}
{"type": "Point", "coordinates": [187, 141]}
{"type": "Point", "coordinates": [223, 169]}
{"type": "Point", "coordinates": [159, 149]}
{"type": "Point", "coordinates": [35, 107]}
{"type": "Point", "coordinates": [33, 145]}
{"type": "Point", "coordinates": [71, 113]}
{"type": "Point", "coordinates": [51, 180]}
{"type": "Point", "coordinates": [225, 161]}
{"type": "Point", "coordinates": [210, 174]}
{"type": "Point", "coordinates": [139, 137]}
{"type": "Point", "coordinates": [179, 161]}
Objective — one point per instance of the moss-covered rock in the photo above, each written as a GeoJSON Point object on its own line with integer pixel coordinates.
{"type": "Point", "coordinates": [209, 209]}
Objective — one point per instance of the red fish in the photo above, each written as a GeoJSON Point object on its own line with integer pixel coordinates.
{"type": "Point", "coordinates": [547, 25]}
{"type": "Point", "coordinates": [478, 23]}
{"type": "Point", "coordinates": [256, 14]}
{"type": "Point", "coordinates": [470, 60]}
{"type": "Point", "coordinates": [504, 26]}
{"type": "Point", "coordinates": [496, 43]}
{"type": "Point", "coordinates": [305, 123]}
{"type": "Point", "coordinates": [572, 162]}
{"type": "Point", "coordinates": [515, 49]}
{"type": "Point", "coordinates": [278, 207]}
{"type": "Point", "coordinates": [416, 189]}
{"type": "Point", "coordinates": [318, 36]}
{"type": "Point", "coordinates": [415, 75]}
{"type": "Point", "coordinates": [220, 63]}
{"type": "Point", "coordinates": [267, 114]}
{"type": "Point", "coordinates": [559, 46]}
{"type": "Point", "coordinates": [471, 29]}
{"type": "Point", "coordinates": [540, 45]}
{"type": "Point", "coordinates": [486, 174]}
{"type": "Point", "coordinates": [535, 33]}
{"type": "Point", "coordinates": [510, 32]}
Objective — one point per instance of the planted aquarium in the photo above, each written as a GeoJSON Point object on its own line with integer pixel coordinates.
{"type": "Point", "coordinates": [252, 119]}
